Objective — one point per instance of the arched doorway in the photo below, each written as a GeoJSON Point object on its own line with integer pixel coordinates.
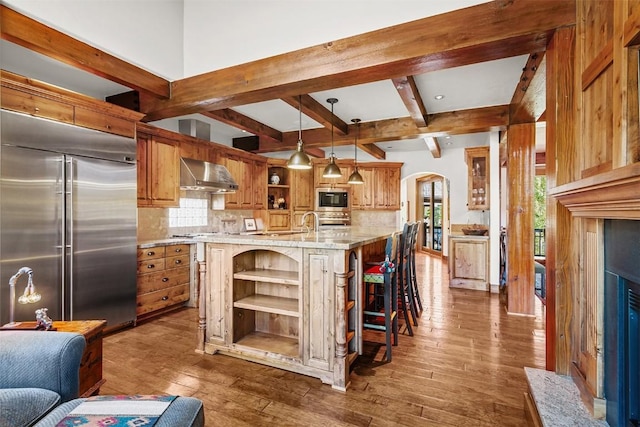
{"type": "Point", "coordinates": [432, 209]}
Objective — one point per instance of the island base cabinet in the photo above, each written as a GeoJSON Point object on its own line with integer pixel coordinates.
{"type": "Point", "coordinates": [469, 262]}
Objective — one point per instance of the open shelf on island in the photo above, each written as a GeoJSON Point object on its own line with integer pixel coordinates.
{"type": "Point", "coordinates": [269, 276]}
{"type": "Point", "coordinates": [271, 343]}
{"type": "Point", "coordinates": [269, 304]}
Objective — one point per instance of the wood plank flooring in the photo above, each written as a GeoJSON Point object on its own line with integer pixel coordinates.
{"type": "Point", "coordinates": [463, 367]}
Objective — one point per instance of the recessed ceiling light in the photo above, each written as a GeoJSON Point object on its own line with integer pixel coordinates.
{"type": "Point", "coordinates": [447, 137]}
{"type": "Point", "coordinates": [438, 97]}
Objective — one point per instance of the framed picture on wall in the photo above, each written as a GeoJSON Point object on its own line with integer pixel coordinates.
{"type": "Point", "coordinates": [250, 224]}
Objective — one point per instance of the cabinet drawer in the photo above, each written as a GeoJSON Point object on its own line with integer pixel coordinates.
{"type": "Point", "coordinates": [151, 253]}
{"type": "Point", "coordinates": [35, 105]}
{"type": "Point", "coordinates": [151, 265]}
{"type": "Point", "coordinates": [172, 250]}
{"type": "Point", "coordinates": [104, 123]}
{"type": "Point", "coordinates": [162, 279]}
{"type": "Point", "coordinates": [177, 261]}
{"type": "Point", "coordinates": [153, 301]}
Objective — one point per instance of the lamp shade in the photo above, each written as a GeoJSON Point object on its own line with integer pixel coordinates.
{"type": "Point", "coordinates": [332, 170]}
{"type": "Point", "coordinates": [299, 159]}
{"type": "Point", "coordinates": [355, 178]}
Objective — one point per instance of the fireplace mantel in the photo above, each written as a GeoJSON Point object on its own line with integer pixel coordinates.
{"type": "Point", "coordinates": [613, 194]}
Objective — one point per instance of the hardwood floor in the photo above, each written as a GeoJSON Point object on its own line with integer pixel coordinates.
{"type": "Point", "coordinates": [463, 367]}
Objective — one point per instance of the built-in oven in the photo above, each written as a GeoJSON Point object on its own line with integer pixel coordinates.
{"type": "Point", "coordinates": [333, 206]}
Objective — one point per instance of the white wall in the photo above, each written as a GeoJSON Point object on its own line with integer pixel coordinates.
{"type": "Point", "coordinates": [147, 33]}
{"type": "Point", "coordinates": [182, 38]}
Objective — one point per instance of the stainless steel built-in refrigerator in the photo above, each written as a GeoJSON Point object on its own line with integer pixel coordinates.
{"type": "Point", "coordinates": [68, 211]}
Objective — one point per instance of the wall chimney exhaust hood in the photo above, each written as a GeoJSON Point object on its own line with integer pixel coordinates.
{"type": "Point", "coordinates": [204, 176]}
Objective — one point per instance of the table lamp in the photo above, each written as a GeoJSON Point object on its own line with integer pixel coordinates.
{"type": "Point", "coordinates": [28, 297]}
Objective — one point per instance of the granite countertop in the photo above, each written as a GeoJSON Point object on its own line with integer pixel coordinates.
{"type": "Point", "coordinates": [558, 400]}
{"type": "Point", "coordinates": [144, 244]}
{"type": "Point", "coordinates": [334, 238]}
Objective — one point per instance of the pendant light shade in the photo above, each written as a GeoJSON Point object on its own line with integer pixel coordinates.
{"type": "Point", "coordinates": [299, 159]}
{"type": "Point", "coordinates": [355, 177]}
{"type": "Point", "coordinates": [332, 170]}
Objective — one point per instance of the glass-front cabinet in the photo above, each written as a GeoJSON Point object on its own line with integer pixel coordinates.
{"type": "Point", "coordinates": [477, 159]}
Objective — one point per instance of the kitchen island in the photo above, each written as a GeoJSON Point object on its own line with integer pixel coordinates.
{"type": "Point", "coordinates": [290, 300]}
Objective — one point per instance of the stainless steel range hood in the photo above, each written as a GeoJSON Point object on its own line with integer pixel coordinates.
{"type": "Point", "coordinates": [204, 176]}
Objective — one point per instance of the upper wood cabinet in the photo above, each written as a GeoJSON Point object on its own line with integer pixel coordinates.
{"type": "Point", "coordinates": [386, 188]}
{"type": "Point", "coordinates": [362, 195]}
{"type": "Point", "coordinates": [158, 171]}
{"type": "Point", "coordinates": [40, 99]}
{"type": "Point", "coordinates": [250, 174]}
{"type": "Point", "coordinates": [477, 159]}
{"type": "Point", "coordinates": [302, 194]}
{"type": "Point", "coordinates": [320, 181]}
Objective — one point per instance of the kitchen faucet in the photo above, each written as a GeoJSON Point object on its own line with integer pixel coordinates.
{"type": "Point", "coordinates": [316, 221]}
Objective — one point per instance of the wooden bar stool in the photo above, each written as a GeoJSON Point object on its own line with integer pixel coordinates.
{"type": "Point", "coordinates": [382, 279]}
{"type": "Point", "coordinates": [414, 279]}
{"type": "Point", "coordinates": [405, 287]}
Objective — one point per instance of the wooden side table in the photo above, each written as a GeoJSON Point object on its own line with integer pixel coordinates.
{"type": "Point", "coordinates": [91, 363]}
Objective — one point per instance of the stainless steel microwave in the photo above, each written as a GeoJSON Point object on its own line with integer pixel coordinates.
{"type": "Point", "coordinates": [333, 199]}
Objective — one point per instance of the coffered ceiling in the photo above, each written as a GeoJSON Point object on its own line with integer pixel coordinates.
{"type": "Point", "coordinates": [390, 78]}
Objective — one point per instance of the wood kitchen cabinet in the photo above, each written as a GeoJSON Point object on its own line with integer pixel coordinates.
{"type": "Point", "coordinates": [158, 171]}
{"type": "Point", "coordinates": [29, 96]}
{"type": "Point", "coordinates": [163, 281]}
{"type": "Point", "coordinates": [469, 262]}
{"type": "Point", "coordinates": [250, 174]}
{"type": "Point", "coordinates": [386, 188]}
{"type": "Point", "coordinates": [362, 196]}
{"type": "Point", "coordinates": [318, 169]}
{"type": "Point", "coordinates": [477, 159]}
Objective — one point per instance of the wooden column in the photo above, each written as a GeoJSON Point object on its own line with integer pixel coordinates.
{"type": "Point", "coordinates": [521, 158]}
{"type": "Point", "coordinates": [560, 150]}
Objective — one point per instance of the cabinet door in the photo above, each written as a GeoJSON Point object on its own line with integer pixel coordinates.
{"type": "Point", "coordinates": [142, 160]}
{"type": "Point", "coordinates": [393, 188]}
{"type": "Point", "coordinates": [246, 184]}
{"type": "Point", "coordinates": [318, 314]}
{"type": "Point", "coordinates": [279, 220]}
{"type": "Point", "coordinates": [362, 195]}
{"type": "Point", "coordinates": [214, 295]}
{"type": "Point", "coordinates": [164, 174]}
{"type": "Point", "coordinates": [320, 181]}
{"type": "Point", "coordinates": [232, 200]}
{"type": "Point", "coordinates": [478, 178]}
{"type": "Point", "coordinates": [259, 182]}
{"type": "Point", "coordinates": [380, 188]}
{"type": "Point", "coordinates": [302, 190]}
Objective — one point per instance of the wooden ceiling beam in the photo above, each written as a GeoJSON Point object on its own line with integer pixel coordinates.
{"type": "Point", "coordinates": [433, 146]}
{"type": "Point", "coordinates": [411, 48]}
{"type": "Point", "coordinates": [529, 99]}
{"type": "Point", "coordinates": [242, 122]}
{"type": "Point", "coordinates": [318, 112]}
{"type": "Point", "coordinates": [408, 91]}
{"type": "Point", "coordinates": [33, 35]}
{"type": "Point", "coordinates": [450, 123]}
{"type": "Point", "coordinates": [315, 152]}
{"type": "Point", "coordinates": [373, 150]}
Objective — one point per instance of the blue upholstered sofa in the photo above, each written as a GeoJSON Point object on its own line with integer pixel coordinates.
{"type": "Point", "coordinates": [39, 381]}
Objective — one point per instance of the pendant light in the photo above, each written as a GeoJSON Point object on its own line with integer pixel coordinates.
{"type": "Point", "coordinates": [355, 177]}
{"type": "Point", "coordinates": [332, 170]}
{"type": "Point", "coordinates": [299, 159]}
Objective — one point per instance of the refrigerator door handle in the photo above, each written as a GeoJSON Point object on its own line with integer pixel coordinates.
{"type": "Point", "coordinates": [68, 258]}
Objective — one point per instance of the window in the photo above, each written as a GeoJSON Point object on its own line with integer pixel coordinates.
{"type": "Point", "coordinates": [191, 213]}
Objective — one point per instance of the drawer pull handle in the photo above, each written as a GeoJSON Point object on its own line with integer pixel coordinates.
{"type": "Point", "coordinates": [178, 250]}
{"type": "Point", "coordinates": [165, 279]}
{"type": "Point", "coordinates": [164, 298]}
{"type": "Point", "coordinates": [178, 261]}
{"type": "Point", "coordinates": [150, 253]}
{"type": "Point", "coordinates": [151, 266]}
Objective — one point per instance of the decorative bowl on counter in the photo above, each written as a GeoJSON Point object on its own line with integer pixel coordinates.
{"type": "Point", "coordinates": [475, 230]}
